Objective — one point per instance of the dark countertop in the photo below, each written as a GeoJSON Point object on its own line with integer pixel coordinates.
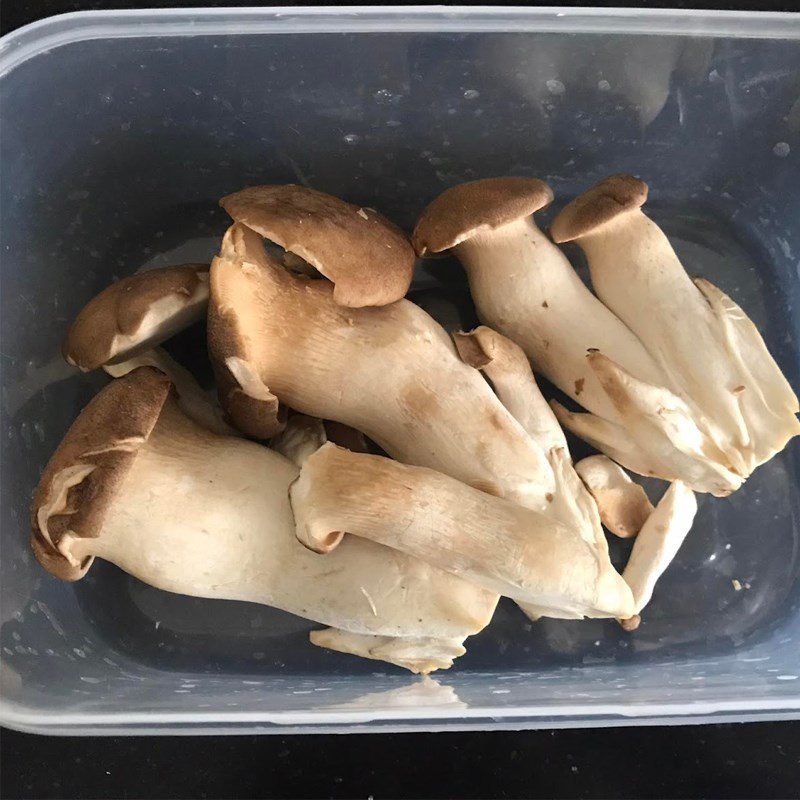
{"type": "Point", "coordinates": [716, 761]}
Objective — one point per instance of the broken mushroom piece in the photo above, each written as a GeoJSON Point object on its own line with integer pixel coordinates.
{"type": "Point", "coordinates": [524, 287]}
{"type": "Point", "coordinates": [139, 484]}
{"type": "Point", "coordinates": [391, 372]}
{"type": "Point", "coordinates": [368, 259]}
{"type": "Point", "coordinates": [136, 314]}
{"type": "Point", "coordinates": [657, 544]}
{"type": "Point", "coordinates": [491, 542]}
{"type": "Point", "coordinates": [710, 354]}
{"type": "Point", "coordinates": [624, 507]}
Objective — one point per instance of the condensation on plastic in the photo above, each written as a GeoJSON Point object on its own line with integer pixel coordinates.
{"type": "Point", "coordinates": [120, 130]}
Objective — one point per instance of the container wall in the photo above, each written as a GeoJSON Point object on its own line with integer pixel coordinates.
{"type": "Point", "coordinates": [114, 153]}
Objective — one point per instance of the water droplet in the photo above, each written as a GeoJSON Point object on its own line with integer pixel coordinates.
{"type": "Point", "coordinates": [782, 149]}
{"type": "Point", "coordinates": [351, 138]}
{"type": "Point", "coordinates": [471, 94]}
{"type": "Point", "coordinates": [555, 87]}
{"type": "Point", "coordinates": [25, 433]}
{"type": "Point", "coordinates": [382, 95]}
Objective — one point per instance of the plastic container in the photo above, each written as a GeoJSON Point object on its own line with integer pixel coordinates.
{"type": "Point", "coordinates": [121, 130]}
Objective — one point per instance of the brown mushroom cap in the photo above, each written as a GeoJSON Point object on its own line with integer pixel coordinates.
{"type": "Point", "coordinates": [89, 466]}
{"type": "Point", "coordinates": [368, 259]}
{"type": "Point", "coordinates": [464, 210]}
{"type": "Point", "coordinates": [599, 205]}
{"type": "Point", "coordinates": [135, 314]}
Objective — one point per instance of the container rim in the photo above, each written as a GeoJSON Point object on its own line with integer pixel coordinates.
{"type": "Point", "coordinates": [394, 720]}
{"type": "Point", "coordinates": [39, 37]}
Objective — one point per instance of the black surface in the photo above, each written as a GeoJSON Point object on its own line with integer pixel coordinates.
{"type": "Point", "coordinates": [719, 761]}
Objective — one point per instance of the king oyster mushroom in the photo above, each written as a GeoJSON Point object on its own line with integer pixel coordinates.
{"type": "Point", "coordinates": [615, 499]}
{"type": "Point", "coordinates": [391, 372]}
{"type": "Point", "coordinates": [710, 353]}
{"type": "Point", "coordinates": [367, 258]}
{"type": "Point", "coordinates": [488, 540]}
{"type": "Point", "coordinates": [271, 331]}
{"type": "Point", "coordinates": [120, 330]}
{"type": "Point", "coordinates": [643, 414]}
{"type": "Point", "coordinates": [135, 314]}
{"type": "Point", "coordinates": [137, 483]}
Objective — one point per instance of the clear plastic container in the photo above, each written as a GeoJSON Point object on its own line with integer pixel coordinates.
{"type": "Point", "coordinates": [120, 130]}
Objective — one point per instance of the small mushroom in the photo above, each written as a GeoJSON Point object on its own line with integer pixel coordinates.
{"type": "Point", "coordinates": [710, 354]}
{"type": "Point", "coordinates": [368, 259]}
{"type": "Point", "coordinates": [624, 507]}
{"type": "Point", "coordinates": [487, 540]}
{"type": "Point", "coordinates": [391, 372]}
{"type": "Point", "coordinates": [139, 484]}
{"type": "Point", "coordinates": [657, 544]}
{"type": "Point", "coordinates": [524, 287]}
{"type": "Point", "coordinates": [136, 314]}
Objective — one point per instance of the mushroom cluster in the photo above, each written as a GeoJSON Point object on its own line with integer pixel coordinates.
{"type": "Point", "coordinates": [676, 381]}
{"type": "Point", "coordinates": [360, 467]}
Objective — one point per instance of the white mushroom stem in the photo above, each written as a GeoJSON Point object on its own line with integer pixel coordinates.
{"type": "Point", "coordinates": [197, 404]}
{"type": "Point", "coordinates": [624, 507]}
{"type": "Point", "coordinates": [487, 540]}
{"type": "Point", "coordinates": [301, 437]}
{"type": "Point", "coordinates": [659, 541]}
{"type": "Point", "coordinates": [705, 345]}
{"type": "Point", "coordinates": [209, 516]}
{"type": "Point", "coordinates": [391, 372]}
{"type": "Point", "coordinates": [506, 365]}
{"type": "Point", "coordinates": [661, 436]}
{"type": "Point", "coordinates": [768, 403]}
{"type": "Point", "coordinates": [524, 287]}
